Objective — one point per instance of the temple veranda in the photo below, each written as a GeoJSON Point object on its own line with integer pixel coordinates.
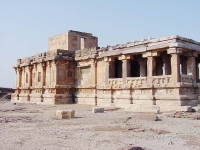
{"type": "Point", "coordinates": [142, 76]}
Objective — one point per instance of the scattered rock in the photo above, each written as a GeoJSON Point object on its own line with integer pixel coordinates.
{"type": "Point", "coordinates": [111, 108]}
{"type": "Point", "coordinates": [3, 120]}
{"type": "Point", "coordinates": [158, 131]}
{"type": "Point", "coordinates": [108, 128]}
{"type": "Point", "coordinates": [15, 119]}
{"type": "Point", "coordinates": [137, 129]}
{"type": "Point", "coordinates": [65, 114]}
{"type": "Point", "coordinates": [98, 110]}
{"type": "Point", "coordinates": [131, 148]}
{"type": "Point", "coordinates": [122, 120]}
{"type": "Point", "coordinates": [196, 108]}
{"type": "Point", "coordinates": [149, 117]}
{"type": "Point", "coordinates": [196, 117]}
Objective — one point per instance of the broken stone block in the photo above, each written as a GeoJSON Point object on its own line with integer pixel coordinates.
{"type": "Point", "coordinates": [65, 114]}
{"type": "Point", "coordinates": [98, 110]}
{"type": "Point", "coordinates": [196, 117]}
{"type": "Point", "coordinates": [149, 117]}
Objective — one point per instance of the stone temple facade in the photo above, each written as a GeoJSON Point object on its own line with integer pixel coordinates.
{"type": "Point", "coordinates": [147, 75]}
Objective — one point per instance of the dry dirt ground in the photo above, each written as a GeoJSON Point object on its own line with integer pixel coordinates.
{"type": "Point", "coordinates": [36, 127]}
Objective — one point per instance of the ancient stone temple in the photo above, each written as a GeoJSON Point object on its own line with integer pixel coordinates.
{"type": "Point", "coordinates": [151, 74]}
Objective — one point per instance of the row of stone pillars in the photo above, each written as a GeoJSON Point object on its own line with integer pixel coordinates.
{"type": "Point", "coordinates": [150, 68]}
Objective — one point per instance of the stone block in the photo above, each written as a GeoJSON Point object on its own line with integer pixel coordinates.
{"type": "Point", "coordinates": [148, 117]}
{"type": "Point", "coordinates": [196, 108]}
{"type": "Point", "coordinates": [130, 148]}
{"type": "Point", "coordinates": [65, 114]}
{"type": "Point", "coordinates": [98, 110]}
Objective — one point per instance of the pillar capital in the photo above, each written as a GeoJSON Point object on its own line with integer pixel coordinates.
{"type": "Point", "coordinates": [125, 57]}
{"type": "Point", "coordinates": [108, 59]}
{"type": "Point", "coordinates": [151, 54]}
{"type": "Point", "coordinates": [30, 68]}
{"type": "Point", "coordinates": [190, 53]}
{"type": "Point", "coordinates": [174, 50]}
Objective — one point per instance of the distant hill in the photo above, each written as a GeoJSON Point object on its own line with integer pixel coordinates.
{"type": "Point", "coordinates": [5, 93]}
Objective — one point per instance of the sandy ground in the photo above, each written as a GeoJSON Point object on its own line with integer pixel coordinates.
{"type": "Point", "coordinates": [36, 127]}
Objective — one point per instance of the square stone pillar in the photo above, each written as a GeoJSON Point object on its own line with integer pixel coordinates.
{"type": "Point", "coordinates": [125, 66]}
{"type": "Point", "coordinates": [106, 72]}
{"type": "Point", "coordinates": [183, 62]}
{"type": "Point", "coordinates": [175, 63]}
{"type": "Point", "coordinates": [191, 64]}
{"type": "Point", "coordinates": [30, 75]}
{"type": "Point", "coordinates": [125, 69]}
{"type": "Point", "coordinates": [43, 75]}
{"type": "Point", "coordinates": [143, 67]}
{"type": "Point", "coordinates": [18, 76]}
{"type": "Point", "coordinates": [167, 61]}
{"type": "Point", "coordinates": [151, 62]}
{"type": "Point", "coordinates": [109, 64]}
{"type": "Point", "coordinates": [151, 66]}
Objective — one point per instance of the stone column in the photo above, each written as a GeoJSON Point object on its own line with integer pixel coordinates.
{"type": "Point", "coordinates": [43, 74]}
{"type": "Point", "coordinates": [167, 61]}
{"type": "Point", "coordinates": [94, 71]}
{"type": "Point", "coordinates": [109, 64]}
{"type": "Point", "coordinates": [175, 63]}
{"type": "Point", "coordinates": [183, 62]}
{"type": "Point", "coordinates": [35, 75]}
{"type": "Point", "coordinates": [111, 69]}
{"type": "Point", "coordinates": [151, 66]}
{"type": "Point", "coordinates": [106, 71]}
{"type": "Point", "coordinates": [56, 72]}
{"type": "Point", "coordinates": [16, 77]}
{"type": "Point", "coordinates": [30, 75]}
{"type": "Point", "coordinates": [191, 66]}
{"type": "Point", "coordinates": [19, 77]}
{"type": "Point", "coordinates": [23, 77]}
{"type": "Point", "coordinates": [143, 66]}
{"type": "Point", "coordinates": [124, 69]}
{"type": "Point", "coordinates": [125, 66]}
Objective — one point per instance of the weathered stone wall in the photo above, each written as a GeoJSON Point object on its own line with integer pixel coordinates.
{"type": "Point", "coordinates": [72, 40]}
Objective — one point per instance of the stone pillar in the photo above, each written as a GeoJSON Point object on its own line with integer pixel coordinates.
{"type": "Point", "coordinates": [93, 70]}
{"type": "Point", "coordinates": [175, 63]}
{"type": "Point", "coordinates": [48, 72]}
{"type": "Point", "coordinates": [56, 72]}
{"type": "Point", "coordinates": [167, 61]}
{"type": "Point", "coordinates": [151, 66]}
{"type": "Point", "coordinates": [109, 65]}
{"type": "Point", "coordinates": [159, 66]}
{"type": "Point", "coordinates": [191, 67]}
{"type": "Point", "coordinates": [29, 76]}
{"type": "Point", "coordinates": [183, 62]}
{"type": "Point", "coordinates": [43, 74]}
{"type": "Point", "coordinates": [111, 69]}
{"type": "Point", "coordinates": [23, 77]}
{"type": "Point", "coordinates": [106, 72]}
{"type": "Point", "coordinates": [34, 83]}
{"type": "Point", "coordinates": [143, 68]}
{"type": "Point", "coordinates": [19, 77]}
{"type": "Point", "coordinates": [124, 69]}
{"type": "Point", "coordinates": [125, 66]}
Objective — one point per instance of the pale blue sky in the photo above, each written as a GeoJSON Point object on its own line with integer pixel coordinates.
{"type": "Point", "coordinates": [26, 25]}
